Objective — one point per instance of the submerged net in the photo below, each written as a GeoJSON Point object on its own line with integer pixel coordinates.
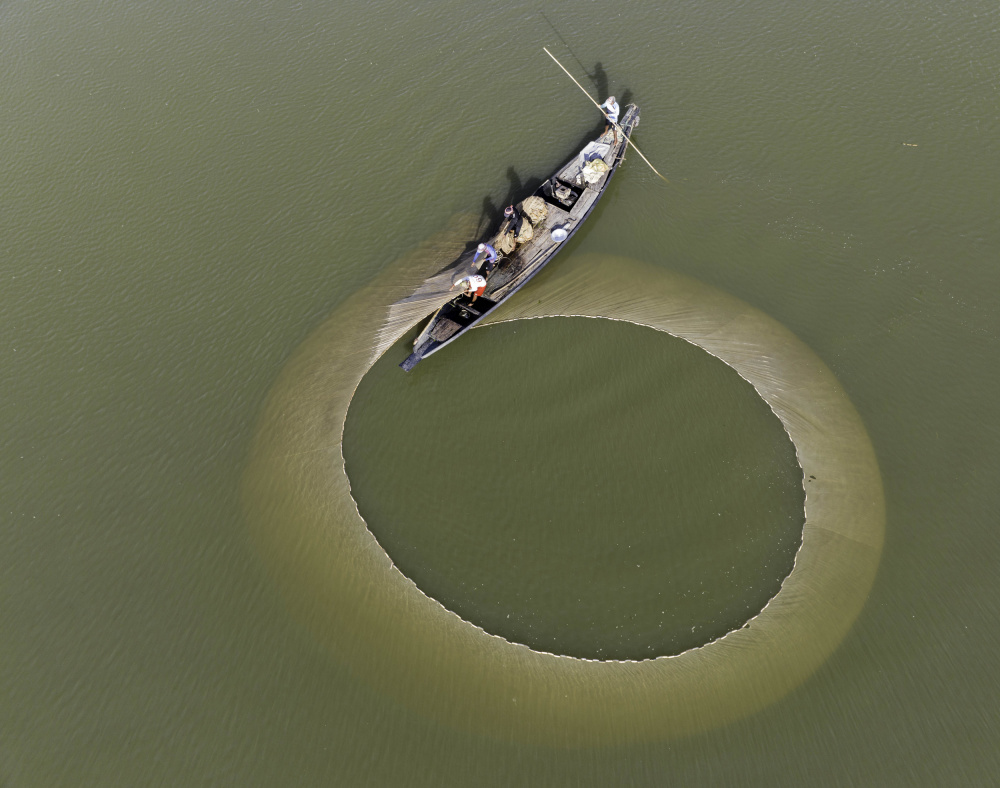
{"type": "Point", "coordinates": [342, 584]}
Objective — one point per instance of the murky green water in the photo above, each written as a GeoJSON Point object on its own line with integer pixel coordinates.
{"type": "Point", "coordinates": [189, 191]}
{"type": "Point", "coordinates": [532, 508]}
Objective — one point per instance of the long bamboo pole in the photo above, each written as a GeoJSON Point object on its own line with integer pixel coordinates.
{"type": "Point", "coordinates": [602, 112]}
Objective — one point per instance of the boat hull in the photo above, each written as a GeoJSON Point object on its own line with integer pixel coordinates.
{"type": "Point", "coordinates": [569, 196]}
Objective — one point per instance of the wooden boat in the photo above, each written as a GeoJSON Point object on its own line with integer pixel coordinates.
{"type": "Point", "coordinates": [566, 199]}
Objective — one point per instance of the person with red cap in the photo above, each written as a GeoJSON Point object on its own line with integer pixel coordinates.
{"type": "Point", "coordinates": [514, 219]}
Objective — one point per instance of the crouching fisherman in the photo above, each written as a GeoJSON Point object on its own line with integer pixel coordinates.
{"type": "Point", "coordinates": [473, 284]}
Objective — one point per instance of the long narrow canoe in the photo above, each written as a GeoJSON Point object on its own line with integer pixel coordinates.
{"type": "Point", "coordinates": [566, 200]}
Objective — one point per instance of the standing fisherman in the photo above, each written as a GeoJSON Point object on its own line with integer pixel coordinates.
{"type": "Point", "coordinates": [611, 110]}
{"type": "Point", "coordinates": [610, 99]}
{"type": "Point", "coordinates": [514, 219]}
{"type": "Point", "coordinates": [491, 258]}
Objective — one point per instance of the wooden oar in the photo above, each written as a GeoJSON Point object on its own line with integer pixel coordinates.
{"type": "Point", "coordinates": [602, 112]}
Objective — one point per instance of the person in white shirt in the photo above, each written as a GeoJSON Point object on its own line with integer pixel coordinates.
{"type": "Point", "coordinates": [611, 110]}
{"type": "Point", "coordinates": [473, 284]}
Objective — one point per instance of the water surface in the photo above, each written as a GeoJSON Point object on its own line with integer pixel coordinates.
{"type": "Point", "coordinates": [188, 191]}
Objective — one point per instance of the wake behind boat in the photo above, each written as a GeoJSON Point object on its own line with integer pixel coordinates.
{"type": "Point", "coordinates": [538, 228]}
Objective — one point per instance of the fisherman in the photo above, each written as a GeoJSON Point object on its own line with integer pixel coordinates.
{"type": "Point", "coordinates": [610, 108]}
{"type": "Point", "coordinates": [491, 258]}
{"type": "Point", "coordinates": [514, 219]}
{"type": "Point", "coordinates": [473, 284]}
